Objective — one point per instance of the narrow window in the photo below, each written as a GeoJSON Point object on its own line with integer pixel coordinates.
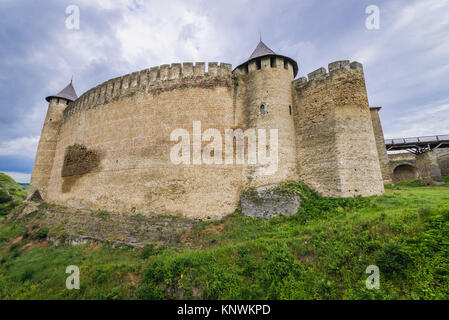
{"type": "Point", "coordinates": [262, 109]}
{"type": "Point", "coordinates": [246, 68]}
{"type": "Point", "coordinates": [285, 64]}
{"type": "Point", "coordinates": [258, 64]}
{"type": "Point", "coordinates": [290, 110]}
{"type": "Point", "coordinates": [273, 62]}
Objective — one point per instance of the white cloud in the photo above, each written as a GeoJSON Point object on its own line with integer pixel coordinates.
{"type": "Point", "coordinates": [405, 60]}
{"type": "Point", "coordinates": [23, 147]}
{"type": "Point", "coordinates": [19, 176]}
{"type": "Point", "coordinates": [431, 119]}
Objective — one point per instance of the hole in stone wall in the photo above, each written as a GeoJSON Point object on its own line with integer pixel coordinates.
{"type": "Point", "coordinates": [262, 109]}
{"type": "Point", "coordinates": [36, 197]}
{"type": "Point", "coordinates": [285, 64]}
{"type": "Point", "coordinates": [258, 64]}
{"type": "Point", "coordinates": [273, 62]}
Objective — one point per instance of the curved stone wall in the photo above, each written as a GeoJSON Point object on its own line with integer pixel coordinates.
{"type": "Point", "coordinates": [112, 149]}
{"type": "Point", "coordinates": [126, 124]}
{"type": "Point", "coordinates": [267, 82]}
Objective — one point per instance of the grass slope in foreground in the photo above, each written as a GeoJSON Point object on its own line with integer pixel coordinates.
{"type": "Point", "coordinates": [320, 253]}
{"type": "Point", "coordinates": [11, 194]}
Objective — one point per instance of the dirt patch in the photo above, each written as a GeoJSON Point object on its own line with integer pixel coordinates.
{"type": "Point", "coordinates": [34, 244]}
{"type": "Point", "coordinates": [131, 279]}
{"type": "Point", "coordinates": [212, 229]}
{"type": "Point", "coordinates": [308, 258]}
{"type": "Point", "coordinates": [13, 241]}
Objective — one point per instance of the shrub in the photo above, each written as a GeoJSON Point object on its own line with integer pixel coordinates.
{"type": "Point", "coordinates": [42, 234]}
{"type": "Point", "coordinates": [320, 207]}
{"type": "Point", "coordinates": [150, 291]}
{"type": "Point", "coordinates": [148, 250]}
{"type": "Point", "coordinates": [446, 179]}
{"type": "Point", "coordinates": [393, 259]}
{"type": "Point", "coordinates": [4, 196]}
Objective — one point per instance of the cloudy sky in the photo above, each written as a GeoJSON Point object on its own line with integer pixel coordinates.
{"type": "Point", "coordinates": [406, 61]}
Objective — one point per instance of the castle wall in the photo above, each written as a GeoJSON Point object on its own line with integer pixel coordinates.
{"type": "Point", "coordinates": [443, 160]}
{"type": "Point", "coordinates": [47, 147]}
{"type": "Point", "coordinates": [428, 168]}
{"type": "Point", "coordinates": [336, 149]}
{"type": "Point", "coordinates": [111, 148]}
{"type": "Point", "coordinates": [380, 144]}
{"type": "Point", "coordinates": [269, 86]}
{"type": "Point", "coordinates": [401, 156]}
{"type": "Point", "coordinates": [126, 124]}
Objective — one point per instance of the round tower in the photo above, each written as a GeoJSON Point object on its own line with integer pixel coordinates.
{"type": "Point", "coordinates": [263, 89]}
{"type": "Point", "coordinates": [47, 143]}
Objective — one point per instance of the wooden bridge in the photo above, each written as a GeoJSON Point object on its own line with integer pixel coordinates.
{"type": "Point", "coordinates": [418, 145]}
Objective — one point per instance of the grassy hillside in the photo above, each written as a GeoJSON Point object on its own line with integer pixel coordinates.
{"type": "Point", "coordinates": [320, 253]}
{"type": "Point", "coordinates": [11, 194]}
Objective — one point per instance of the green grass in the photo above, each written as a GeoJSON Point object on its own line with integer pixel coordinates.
{"type": "Point", "coordinates": [320, 253]}
{"type": "Point", "coordinates": [11, 194]}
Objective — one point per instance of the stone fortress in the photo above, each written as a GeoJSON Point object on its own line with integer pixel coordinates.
{"type": "Point", "coordinates": [109, 149]}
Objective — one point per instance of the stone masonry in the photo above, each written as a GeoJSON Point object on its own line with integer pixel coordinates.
{"type": "Point", "coordinates": [380, 144]}
{"type": "Point", "coordinates": [110, 148]}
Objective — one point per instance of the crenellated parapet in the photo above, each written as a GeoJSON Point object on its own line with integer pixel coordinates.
{"type": "Point", "coordinates": [153, 81]}
{"type": "Point", "coordinates": [322, 74]}
{"type": "Point", "coordinates": [336, 148]}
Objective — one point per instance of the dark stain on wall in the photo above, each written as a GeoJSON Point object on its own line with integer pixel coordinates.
{"type": "Point", "coordinates": [78, 160]}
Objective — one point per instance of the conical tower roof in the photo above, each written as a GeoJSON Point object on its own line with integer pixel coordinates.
{"type": "Point", "coordinates": [67, 93]}
{"type": "Point", "coordinates": [262, 50]}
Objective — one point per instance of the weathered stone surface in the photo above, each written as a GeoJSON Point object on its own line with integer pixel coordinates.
{"type": "Point", "coordinates": [267, 202]}
{"type": "Point", "coordinates": [443, 160]}
{"type": "Point", "coordinates": [428, 167]}
{"type": "Point", "coordinates": [325, 137]}
{"type": "Point", "coordinates": [45, 155]}
{"type": "Point", "coordinates": [380, 145]}
{"type": "Point", "coordinates": [77, 226]}
{"type": "Point", "coordinates": [335, 145]}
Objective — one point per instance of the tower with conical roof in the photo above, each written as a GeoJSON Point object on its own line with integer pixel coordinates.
{"type": "Point", "coordinates": [49, 137]}
{"type": "Point", "coordinates": [263, 93]}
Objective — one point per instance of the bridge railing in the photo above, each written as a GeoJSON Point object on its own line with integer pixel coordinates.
{"type": "Point", "coordinates": [425, 139]}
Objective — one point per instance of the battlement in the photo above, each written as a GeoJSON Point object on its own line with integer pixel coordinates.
{"type": "Point", "coordinates": [322, 74]}
{"type": "Point", "coordinates": [153, 80]}
{"type": "Point", "coordinates": [264, 63]}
